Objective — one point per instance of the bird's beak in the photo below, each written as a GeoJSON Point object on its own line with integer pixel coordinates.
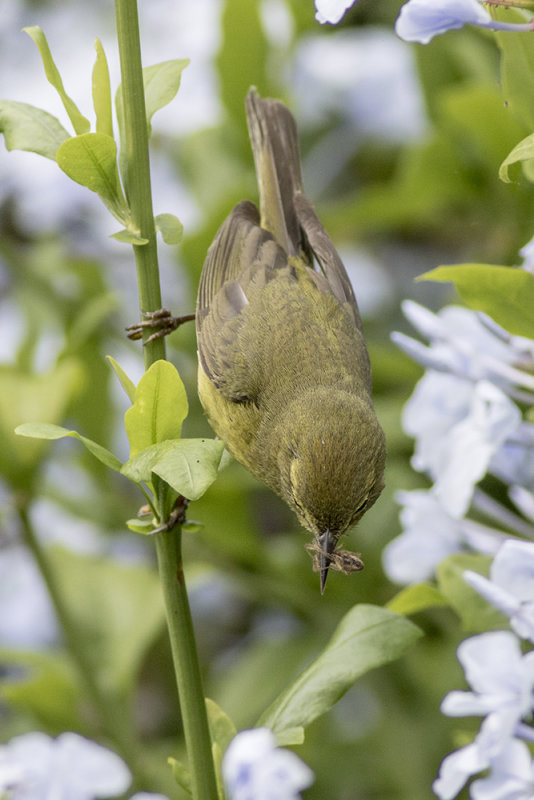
{"type": "Point", "coordinates": [327, 544]}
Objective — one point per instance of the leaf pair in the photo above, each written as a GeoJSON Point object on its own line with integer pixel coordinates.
{"type": "Point", "coordinates": [90, 159]}
{"type": "Point", "coordinates": [153, 425]}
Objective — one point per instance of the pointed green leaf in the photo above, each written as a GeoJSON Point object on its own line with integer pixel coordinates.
{"type": "Point", "coordinates": [182, 776]}
{"type": "Point", "coordinates": [222, 729]}
{"type": "Point", "coordinates": [417, 597]}
{"type": "Point", "coordinates": [79, 122]}
{"type": "Point", "coordinates": [91, 160]}
{"type": "Point", "coordinates": [170, 227]}
{"type": "Point", "coordinates": [162, 82]}
{"type": "Point", "coordinates": [366, 637]}
{"type": "Point", "coordinates": [144, 527]}
{"type": "Point", "coordinates": [159, 408]}
{"type": "Point", "coordinates": [28, 128]}
{"type": "Point", "coordinates": [129, 236]}
{"type": "Point", "coordinates": [102, 92]}
{"type": "Point", "coordinates": [188, 465]}
{"type": "Point", "coordinates": [127, 384]}
{"type": "Point", "coordinates": [524, 151]}
{"type": "Point", "coordinates": [44, 430]}
{"type": "Point", "coordinates": [484, 287]}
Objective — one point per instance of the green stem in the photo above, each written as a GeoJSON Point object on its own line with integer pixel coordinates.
{"type": "Point", "coordinates": [112, 713]}
{"type": "Point", "coordinates": [134, 154]}
{"type": "Point", "coordinates": [184, 653]}
{"type": "Point", "coordinates": [168, 543]}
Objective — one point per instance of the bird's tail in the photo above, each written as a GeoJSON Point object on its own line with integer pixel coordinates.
{"type": "Point", "coordinates": [274, 139]}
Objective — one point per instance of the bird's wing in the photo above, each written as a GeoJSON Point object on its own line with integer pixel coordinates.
{"type": "Point", "coordinates": [242, 254]}
{"type": "Point", "coordinates": [333, 275]}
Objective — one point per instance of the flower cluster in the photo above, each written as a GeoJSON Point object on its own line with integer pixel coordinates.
{"type": "Point", "coordinates": [421, 20]}
{"type": "Point", "coordinates": [465, 415]}
{"type": "Point", "coordinates": [502, 679]}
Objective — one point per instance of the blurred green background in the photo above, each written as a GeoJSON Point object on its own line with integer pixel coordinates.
{"type": "Point", "coordinates": [401, 148]}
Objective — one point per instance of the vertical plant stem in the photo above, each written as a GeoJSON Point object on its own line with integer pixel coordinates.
{"type": "Point", "coordinates": [168, 543]}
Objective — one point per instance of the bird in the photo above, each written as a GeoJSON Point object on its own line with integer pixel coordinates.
{"type": "Point", "coordinates": [284, 374]}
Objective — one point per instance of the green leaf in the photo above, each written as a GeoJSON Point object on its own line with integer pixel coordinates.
{"type": "Point", "coordinates": [170, 227]}
{"type": "Point", "coordinates": [242, 58]}
{"type": "Point", "coordinates": [159, 408]}
{"type": "Point", "coordinates": [476, 614]}
{"type": "Point", "coordinates": [144, 527]}
{"type": "Point", "coordinates": [79, 122]}
{"type": "Point", "coordinates": [516, 63]}
{"type": "Point", "coordinates": [290, 737]}
{"type": "Point", "coordinates": [161, 82]}
{"type": "Point", "coordinates": [182, 776]}
{"type": "Point", "coordinates": [127, 384]}
{"type": "Point", "coordinates": [102, 92]}
{"type": "Point", "coordinates": [24, 397]}
{"type": "Point", "coordinates": [91, 159]}
{"type": "Point", "coordinates": [28, 128]}
{"type": "Point", "coordinates": [524, 151]}
{"type": "Point", "coordinates": [366, 637]}
{"type": "Point", "coordinates": [117, 609]}
{"type": "Point", "coordinates": [188, 465]}
{"type": "Point", "coordinates": [129, 236]}
{"type": "Point", "coordinates": [222, 729]}
{"type": "Point", "coordinates": [44, 430]}
{"type": "Point", "coordinates": [417, 597]}
{"type": "Point", "coordinates": [506, 294]}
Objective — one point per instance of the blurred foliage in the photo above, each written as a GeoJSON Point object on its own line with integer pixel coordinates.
{"type": "Point", "coordinates": [259, 615]}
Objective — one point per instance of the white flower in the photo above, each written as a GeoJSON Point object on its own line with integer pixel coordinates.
{"type": "Point", "coordinates": [254, 768]}
{"type": "Point", "coordinates": [468, 344]}
{"type": "Point", "coordinates": [421, 20]}
{"type": "Point", "coordinates": [431, 534]}
{"type": "Point", "coordinates": [37, 767]}
{"type": "Point", "coordinates": [502, 679]}
{"type": "Point", "coordinates": [511, 776]}
{"type": "Point", "coordinates": [459, 427]}
{"type": "Point", "coordinates": [331, 10]}
{"type": "Point", "coordinates": [468, 450]}
{"type": "Point", "coordinates": [511, 585]}
{"type": "Point", "coordinates": [457, 768]}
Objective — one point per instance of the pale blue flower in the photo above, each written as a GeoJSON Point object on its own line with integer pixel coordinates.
{"type": "Point", "coordinates": [331, 10]}
{"type": "Point", "coordinates": [459, 428]}
{"type": "Point", "coordinates": [35, 766]}
{"type": "Point", "coordinates": [421, 20]}
{"type": "Point", "coordinates": [469, 345]}
{"type": "Point", "coordinates": [254, 768]}
{"type": "Point", "coordinates": [502, 680]}
{"type": "Point", "coordinates": [430, 534]}
{"type": "Point", "coordinates": [511, 776]}
{"type": "Point", "coordinates": [457, 768]}
{"type": "Point", "coordinates": [511, 585]}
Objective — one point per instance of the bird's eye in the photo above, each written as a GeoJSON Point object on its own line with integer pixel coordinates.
{"type": "Point", "coordinates": [361, 506]}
